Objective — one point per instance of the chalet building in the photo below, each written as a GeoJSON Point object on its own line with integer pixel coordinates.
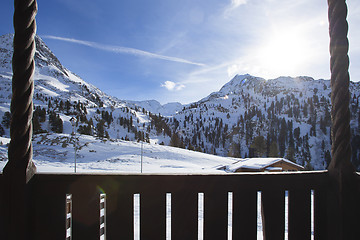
{"type": "Point", "coordinates": [264, 165]}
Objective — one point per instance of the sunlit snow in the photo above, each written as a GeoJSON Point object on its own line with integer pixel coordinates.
{"type": "Point", "coordinates": [56, 153]}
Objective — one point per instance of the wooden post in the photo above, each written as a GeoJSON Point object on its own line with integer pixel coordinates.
{"type": "Point", "coordinates": [343, 193]}
{"type": "Point", "coordinates": [20, 168]}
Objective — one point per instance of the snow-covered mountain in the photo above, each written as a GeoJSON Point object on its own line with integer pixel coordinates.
{"type": "Point", "coordinates": [248, 117]}
{"type": "Point", "coordinates": [154, 106]}
{"type": "Point", "coordinates": [60, 94]}
{"type": "Point", "coordinates": [251, 116]}
{"type": "Point", "coordinates": [51, 78]}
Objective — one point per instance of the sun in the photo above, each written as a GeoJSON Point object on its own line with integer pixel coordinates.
{"type": "Point", "coordinates": [283, 53]}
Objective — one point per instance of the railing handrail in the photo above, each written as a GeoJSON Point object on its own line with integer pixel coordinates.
{"type": "Point", "coordinates": [182, 174]}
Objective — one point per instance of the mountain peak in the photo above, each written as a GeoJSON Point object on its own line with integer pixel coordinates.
{"type": "Point", "coordinates": [239, 82]}
{"type": "Point", "coordinates": [43, 55]}
{"type": "Point", "coordinates": [154, 106]}
{"type": "Point", "coordinates": [51, 78]}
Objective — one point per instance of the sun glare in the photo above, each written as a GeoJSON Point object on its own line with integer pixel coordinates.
{"type": "Point", "coordinates": [283, 53]}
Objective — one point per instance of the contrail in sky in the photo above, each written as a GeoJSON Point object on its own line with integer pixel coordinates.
{"type": "Point", "coordinates": [119, 49]}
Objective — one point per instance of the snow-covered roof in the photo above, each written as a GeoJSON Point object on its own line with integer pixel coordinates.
{"type": "Point", "coordinates": [259, 164]}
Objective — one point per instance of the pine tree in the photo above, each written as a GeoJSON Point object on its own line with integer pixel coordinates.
{"type": "Point", "coordinates": [182, 145]}
{"type": "Point", "coordinates": [56, 124]}
{"type": "Point", "coordinates": [297, 133]}
{"type": "Point", "coordinates": [42, 115]}
{"type": "Point", "coordinates": [100, 128]}
{"type": "Point", "coordinates": [198, 149]}
{"type": "Point", "coordinates": [306, 154]}
{"type": "Point", "coordinates": [36, 125]}
{"type": "Point", "coordinates": [290, 153]}
{"type": "Point", "coordinates": [67, 106]}
{"type": "Point", "coordinates": [305, 110]}
{"type": "Point", "coordinates": [274, 150]}
{"type": "Point", "coordinates": [259, 146]}
{"type": "Point", "coordinates": [2, 131]}
{"type": "Point", "coordinates": [175, 140]}
{"type": "Point", "coordinates": [6, 119]}
{"type": "Point", "coordinates": [107, 135]}
{"type": "Point", "coordinates": [61, 105]}
{"type": "Point", "coordinates": [234, 150]}
{"type": "Point", "coordinates": [323, 126]}
{"type": "Point", "coordinates": [191, 147]}
{"type": "Point", "coordinates": [86, 129]}
{"type": "Point", "coordinates": [327, 158]}
{"type": "Point", "coordinates": [282, 139]}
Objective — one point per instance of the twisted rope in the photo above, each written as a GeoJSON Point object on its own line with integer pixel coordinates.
{"type": "Point", "coordinates": [340, 96]}
{"type": "Point", "coordinates": [343, 195]}
{"type": "Point", "coordinates": [20, 148]}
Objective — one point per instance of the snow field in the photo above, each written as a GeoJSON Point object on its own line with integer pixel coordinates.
{"type": "Point", "coordinates": [56, 153]}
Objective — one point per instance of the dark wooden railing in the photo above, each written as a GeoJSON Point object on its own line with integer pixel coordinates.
{"type": "Point", "coordinates": [88, 206]}
{"type": "Point", "coordinates": [54, 196]}
{"type": "Point", "coordinates": [68, 206]}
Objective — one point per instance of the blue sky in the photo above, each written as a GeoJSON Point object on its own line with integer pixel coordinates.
{"type": "Point", "coordinates": [182, 51]}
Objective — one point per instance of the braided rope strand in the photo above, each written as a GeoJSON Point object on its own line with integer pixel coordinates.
{"type": "Point", "coordinates": [342, 195]}
{"type": "Point", "coordinates": [20, 148]}
{"type": "Point", "coordinates": [340, 96]}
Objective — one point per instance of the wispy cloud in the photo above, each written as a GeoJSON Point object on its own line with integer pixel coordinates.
{"type": "Point", "coordinates": [172, 86]}
{"type": "Point", "coordinates": [233, 5]}
{"type": "Point", "coordinates": [237, 3]}
{"type": "Point", "coordinates": [126, 50]}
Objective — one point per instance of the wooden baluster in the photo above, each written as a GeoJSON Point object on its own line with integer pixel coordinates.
{"type": "Point", "coordinates": [299, 217]}
{"type": "Point", "coordinates": [184, 211]}
{"type": "Point", "coordinates": [245, 214]}
{"type": "Point", "coordinates": [215, 213]}
{"type": "Point", "coordinates": [152, 214]}
{"type": "Point", "coordinates": [153, 206]}
{"type": "Point", "coordinates": [86, 208]}
{"type": "Point", "coordinates": [273, 213]}
{"type": "Point", "coordinates": [119, 207]}
{"type": "Point", "coordinates": [320, 214]}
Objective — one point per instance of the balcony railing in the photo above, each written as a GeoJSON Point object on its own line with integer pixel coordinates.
{"type": "Point", "coordinates": [65, 206]}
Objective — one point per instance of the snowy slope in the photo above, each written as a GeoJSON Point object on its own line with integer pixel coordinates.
{"type": "Point", "coordinates": [56, 153]}
{"type": "Point", "coordinates": [293, 113]}
{"type": "Point", "coordinates": [59, 90]}
{"type": "Point", "coordinates": [51, 78]}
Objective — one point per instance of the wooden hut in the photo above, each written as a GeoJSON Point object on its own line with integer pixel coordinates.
{"type": "Point", "coordinates": [264, 165]}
